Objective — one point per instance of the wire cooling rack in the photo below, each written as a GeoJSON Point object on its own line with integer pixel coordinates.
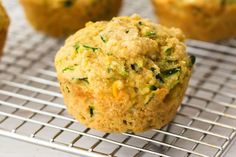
{"type": "Point", "coordinates": [32, 110]}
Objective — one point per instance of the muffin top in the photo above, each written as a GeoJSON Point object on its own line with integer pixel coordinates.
{"type": "Point", "coordinates": [127, 53]}
{"type": "Point", "coordinates": [4, 21]}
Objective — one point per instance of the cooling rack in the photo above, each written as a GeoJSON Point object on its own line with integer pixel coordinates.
{"type": "Point", "coordinates": [32, 110]}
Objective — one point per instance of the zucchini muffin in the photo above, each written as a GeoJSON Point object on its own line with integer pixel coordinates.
{"type": "Point", "coordinates": [208, 20]}
{"type": "Point", "coordinates": [4, 22]}
{"type": "Point", "coordinates": [128, 74]}
{"type": "Point", "coordinates": [64, 17]}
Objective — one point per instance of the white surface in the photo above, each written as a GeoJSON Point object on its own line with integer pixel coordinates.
{"type": "Point", "coordinates": [14, 148]}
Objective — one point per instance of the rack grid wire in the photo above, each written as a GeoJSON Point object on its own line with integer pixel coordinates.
{"type": "Point", "coordinates": [32, 110]}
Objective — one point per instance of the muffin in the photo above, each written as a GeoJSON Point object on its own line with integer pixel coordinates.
{"type": "Point", "coordinates": [208, 20]}
{"type": "Point", "coordinates": [4, 22]}
{"type": "Point", "coordinates": [64, 17]}
{"type": "Point", "coordinates": [125, 75]}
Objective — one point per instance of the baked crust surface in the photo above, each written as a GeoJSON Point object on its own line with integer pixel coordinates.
{"type": "Point", "coordinates": [64, 17]}
{"type": "Point", "coordinates": [127, 74]}
{"type": "Point", "coordinates": [4, 23]}
{"type": "Point", "coordinates": [199, 19]}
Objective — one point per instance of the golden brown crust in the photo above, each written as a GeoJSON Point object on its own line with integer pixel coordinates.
{"type": "Point", "coordinates": [114, 115]}
{"type": "Point", "coordinates": [199, 19]}
{"type": "Point", "coordinates": [3, 35]}
{"type": "Point", "coordinates": [57, 20]}
{"type": "Point", "coordinates": [130, 79]}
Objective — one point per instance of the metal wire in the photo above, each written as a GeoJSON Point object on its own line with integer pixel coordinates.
{"type": "Point", "coordinates": [32, 110]}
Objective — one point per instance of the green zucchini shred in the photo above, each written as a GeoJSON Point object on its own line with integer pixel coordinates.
{"type": "Point", "coordinates": [135, 67]}
{"type": "Point", "coordinates": [68, 90]}
{"type": "Point", "coordinates": [169, 51]}
{"type": "Point", "coordinates": [192, 60]}
{"type": "Point", "coordinates": [83, 79]}
{"type": "Point", "coordinates": [68, 3]}
{"type": "Point", "coordinates": [69, 68]}
{"type": "Point", "coordinates": [77, 47]}
{"type": "Point", "coordinates": [152, 69]}
{"type": "Point", "coordinates": [150, 99]}
{"type": "Point", "coordinates": [170, 71]}
{"type": "Point", "coordinates": [140, 23]}
{"type": "Point", "coordinates": [159, 77]}
{"type": "Point", "coordinates": [109, 70]}
{"type": "Point", "coordinates": [104, 39]}
{"type": "Point", "coordinates": [94, 49]}
{"type": "Point", "coordinates": [153, 87]}
{"type": "Point", "coordinates": [91, 111]}
{"type": "Point", "coordinates": [123, 71]}
{"type": "Point", "coordinates": [171, 61]}
{"type": "Point", "coordinates": [173, 84]}
{"type": "Point", "coordinates": [151, 34]}
{"type": "Point", "coordinates": [127, 31]}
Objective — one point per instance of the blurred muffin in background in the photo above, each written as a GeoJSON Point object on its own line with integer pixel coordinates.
{"type": "Point", "coordinates": [64, 17]}
{"type": "Point", "coordinates": [208, 20]}
{"type": "Point", "coordinates": [4, 23]}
